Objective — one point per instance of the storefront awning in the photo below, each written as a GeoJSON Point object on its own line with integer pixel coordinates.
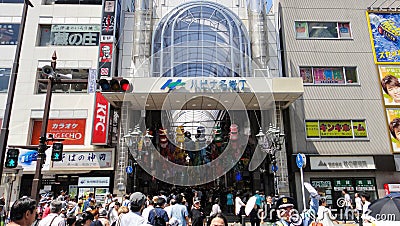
{"type": "Point", "coordinates": [208, 93]}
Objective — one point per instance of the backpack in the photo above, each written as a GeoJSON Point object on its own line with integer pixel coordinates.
{"type": "Point", "coordinates": [158, 220]}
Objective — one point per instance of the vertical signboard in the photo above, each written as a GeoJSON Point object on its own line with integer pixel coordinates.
{"type": "Point", "coordinates": [100, 120]}
{"type": "Point", "coordinates": [105, 63]}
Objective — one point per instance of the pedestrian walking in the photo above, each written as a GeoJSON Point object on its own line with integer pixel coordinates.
{"type": "Point", "coordinates": [229, 202]}
{"type": "Point", "coordinates": [23, 212]}
{"type": "Point", "coordinates": [239, 207]}
{"type": "Point", "coordinates": [197, 214]}
{"type": "Point", "coordinates": [54, 218]}
{"type": "Point", "coordinates": [134, 216]}
{"type": "Point", "coordinates": [347, 204]}
{"type": "Point", "coordinates": [358, 210]}
{"type": "Point", "coordinates": [324, 214]}
{"type": "Point", "coordinates": [179, 211]}
{"type": "Point", "coordinates": [85, 219]}
{"type": "Point", "coordinates": [158, 216]}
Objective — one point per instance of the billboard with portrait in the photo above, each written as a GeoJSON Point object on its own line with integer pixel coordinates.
{"type": "Point", "coordinates": [385, 36]}
{"type": "Point", "coordinates": [393, 116]}
{"type": "Point", "coordinates": [390, 84]}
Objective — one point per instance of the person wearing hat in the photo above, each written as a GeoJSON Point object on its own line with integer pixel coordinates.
{"type": "Point", "coordinates": [286, 214]}
{"type": "Point", "coordinates": [23, 212]}
{"type": "Point", "coordinates": [134, 216]}
{"type": "Point", "coordinates": [54, 218]}
{"type": "Point", "coordinates": [197, 214]}
{"type": "Point", "coordinates": [103, 217]}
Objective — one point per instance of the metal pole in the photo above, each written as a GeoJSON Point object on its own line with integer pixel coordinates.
{"type": "Point", "coordinates": [302, 188]}
{"type": "Point", "coordinates": [37, 180]}
{"type": "Point", "coordinates": [11, 88]}
{"type": "Point", "coordinates": [134, 176]}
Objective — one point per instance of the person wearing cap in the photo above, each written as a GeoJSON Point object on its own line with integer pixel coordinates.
{"type": "Point", "coordinates": [286, 214]}
{"type": "Point", "coordinates": [159, 212]}
{"type": "Point", "coordinates": [134, 216]}
{"type": "Point", "coordinates": [23, 212]}
{"type": "Point", "coordinates": [54, 218]}
{"type": "Point", "coordinates": [197, 214]}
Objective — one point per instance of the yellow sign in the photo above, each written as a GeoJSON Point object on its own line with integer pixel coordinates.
{"type": "Point", "coordinates": [336, 129]}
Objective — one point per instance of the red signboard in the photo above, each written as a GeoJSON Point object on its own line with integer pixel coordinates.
{"type": "Point", "coordinates": [100, 120]}
{"type": "Point", "coordinates": [72, 129]}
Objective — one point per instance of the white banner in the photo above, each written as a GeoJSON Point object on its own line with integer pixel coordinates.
{"type": "Point", "coordinates": [93, 181]}
{"type": "Point", "coordinates": [342, 163]}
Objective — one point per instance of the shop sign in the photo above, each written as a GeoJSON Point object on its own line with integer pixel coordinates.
{"type": "Point", "coordinates": [328, 129]}
{"type": "Point", "coordinates": [71, 129]}
{"type": "Point", "coordinates": [339, 185]}
{"type": "Point", "coordinates": [321, 184]}
{"type": "Point", "coordinates": [75, 35]}
{"type": "Point", "coordinates": [93, 160]}
{"type": "Point", "coordinates": [100, 120]}
{"type": "Point", "coordinates": [365, 185]}
{"type": "Point", "coordinates": [92, 83]}
{"type": "Point", "coordinates": [391, 188]}
{"type": "Point", "coordinates": [206, 85]}
{"type": "Point", "coordinates": [342, 163]}
{"type": "Point", "coordinates": [94, 181]}
{"type": "Point", "coordinates": [9, 34]}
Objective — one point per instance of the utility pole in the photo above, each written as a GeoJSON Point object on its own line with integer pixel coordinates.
{"type": "Point", "coordinates": [11, 88]}
{"type": "Point", "coordinates": [37, 180]}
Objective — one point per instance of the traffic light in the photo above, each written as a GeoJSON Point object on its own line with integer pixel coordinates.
{"type": "Point", "coordinates": [12, 158]}
{"type": "Point", "coordinates": [116, 84]}
{"type": "Point", "coordinates": [56, 154]}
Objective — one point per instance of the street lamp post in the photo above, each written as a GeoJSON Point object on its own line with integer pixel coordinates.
{"type": "Point", "coordinates": [271, 142]}
{"type": "Point", "coordinates": [132, 140]}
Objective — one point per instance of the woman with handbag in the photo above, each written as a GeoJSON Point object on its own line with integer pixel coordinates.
{"type": "Point", "coordinates": [324, 215]}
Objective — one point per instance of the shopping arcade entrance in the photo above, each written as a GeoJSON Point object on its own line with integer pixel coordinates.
{"type": "Point", "coordinates": [265, 95]}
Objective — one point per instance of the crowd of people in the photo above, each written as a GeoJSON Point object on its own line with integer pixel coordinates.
{"type": "Point", "coordinates": [175, 209]}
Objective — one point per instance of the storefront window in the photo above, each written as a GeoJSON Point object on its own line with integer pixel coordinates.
{"type": "Point", "coordinates": [331, 188]}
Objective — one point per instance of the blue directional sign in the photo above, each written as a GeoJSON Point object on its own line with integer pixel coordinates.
{"type": "Point", "coordinates": [129, 169]}
{"type": "Point", "coordinates": [300, 160]}
{"type": "Point", "coordinates": [274, 168]}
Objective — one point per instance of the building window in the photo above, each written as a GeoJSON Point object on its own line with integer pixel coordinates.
{"type": "Point", "coordinates": [9, 34]}
{"type": "Point", "coordinates": [69, 35]}
{"type": "Point", "coordinates": [65, 88]}
{"type": "Point", "coordinates": [322, 30]}
{"type": "Point", "coordinates": [4, 79]}
{"type": "Point", "coordinates": [201, 39]}
{"type": "Point", "coordinates": [74, 2]}
{"type": "Point", "coordinates": [329, 75]}
{"type": "Point", "coordinates": [336, 129]}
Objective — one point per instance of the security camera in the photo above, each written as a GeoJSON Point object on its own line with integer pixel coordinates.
{"type": "Point", "coordinates": [64, 76]}
{"type": "Point", "coordinates": [47, 71]}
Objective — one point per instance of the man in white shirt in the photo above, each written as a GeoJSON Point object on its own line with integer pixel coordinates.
{"type": "Point", "coordinates": [113, 213]}
{"type": "Point", "coordinates": [365, 199]}
{"type": "Point", "coordinates": [359, 205]}
{"type": "Point", "coordinates": [347, 204]}
{"type": "Point", "coordinates": [147, 210]}
{"type": "Point", "coordinates": [54, 218]}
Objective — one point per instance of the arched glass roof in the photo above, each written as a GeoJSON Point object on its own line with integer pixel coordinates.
{"type": "Point", "coordinates": [200, 39]}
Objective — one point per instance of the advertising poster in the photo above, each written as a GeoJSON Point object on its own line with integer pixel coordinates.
{"type": "Point", "coordinates": [100, 194]}
{"type": "Point", "coordinates": [9, 34]}
{"type": "Point", "coordinates": [393, 115]}
{"type": "Point", "coordinates": [385, 37]}
{"type": "Point", "coordinates": [73, 130]}
{"type": "Point", "coordinates": [84, 192]}
{"type": "Point", "coordinates": [106, 50]}
{"type": "Point", "coordinates": [73, 190]}
{"type": "Point", "coordinates": [389, 79]}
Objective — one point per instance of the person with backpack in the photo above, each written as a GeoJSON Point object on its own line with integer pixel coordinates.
{"type": "Point", "coordinates": [158, 216]}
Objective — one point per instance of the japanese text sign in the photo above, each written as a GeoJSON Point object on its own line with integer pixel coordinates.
{"type": "Point", "coordinates": [336, 129]}
{"type": "Point", "coordinates": [393, 116]}
{"type": "Point", "coordinates": [95, 160]}
{"type": "Point", "coordinates": [71, 129]}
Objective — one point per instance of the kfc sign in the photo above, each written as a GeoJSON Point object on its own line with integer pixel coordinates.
{"type": "Point", "coordinates": [100, 120]}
